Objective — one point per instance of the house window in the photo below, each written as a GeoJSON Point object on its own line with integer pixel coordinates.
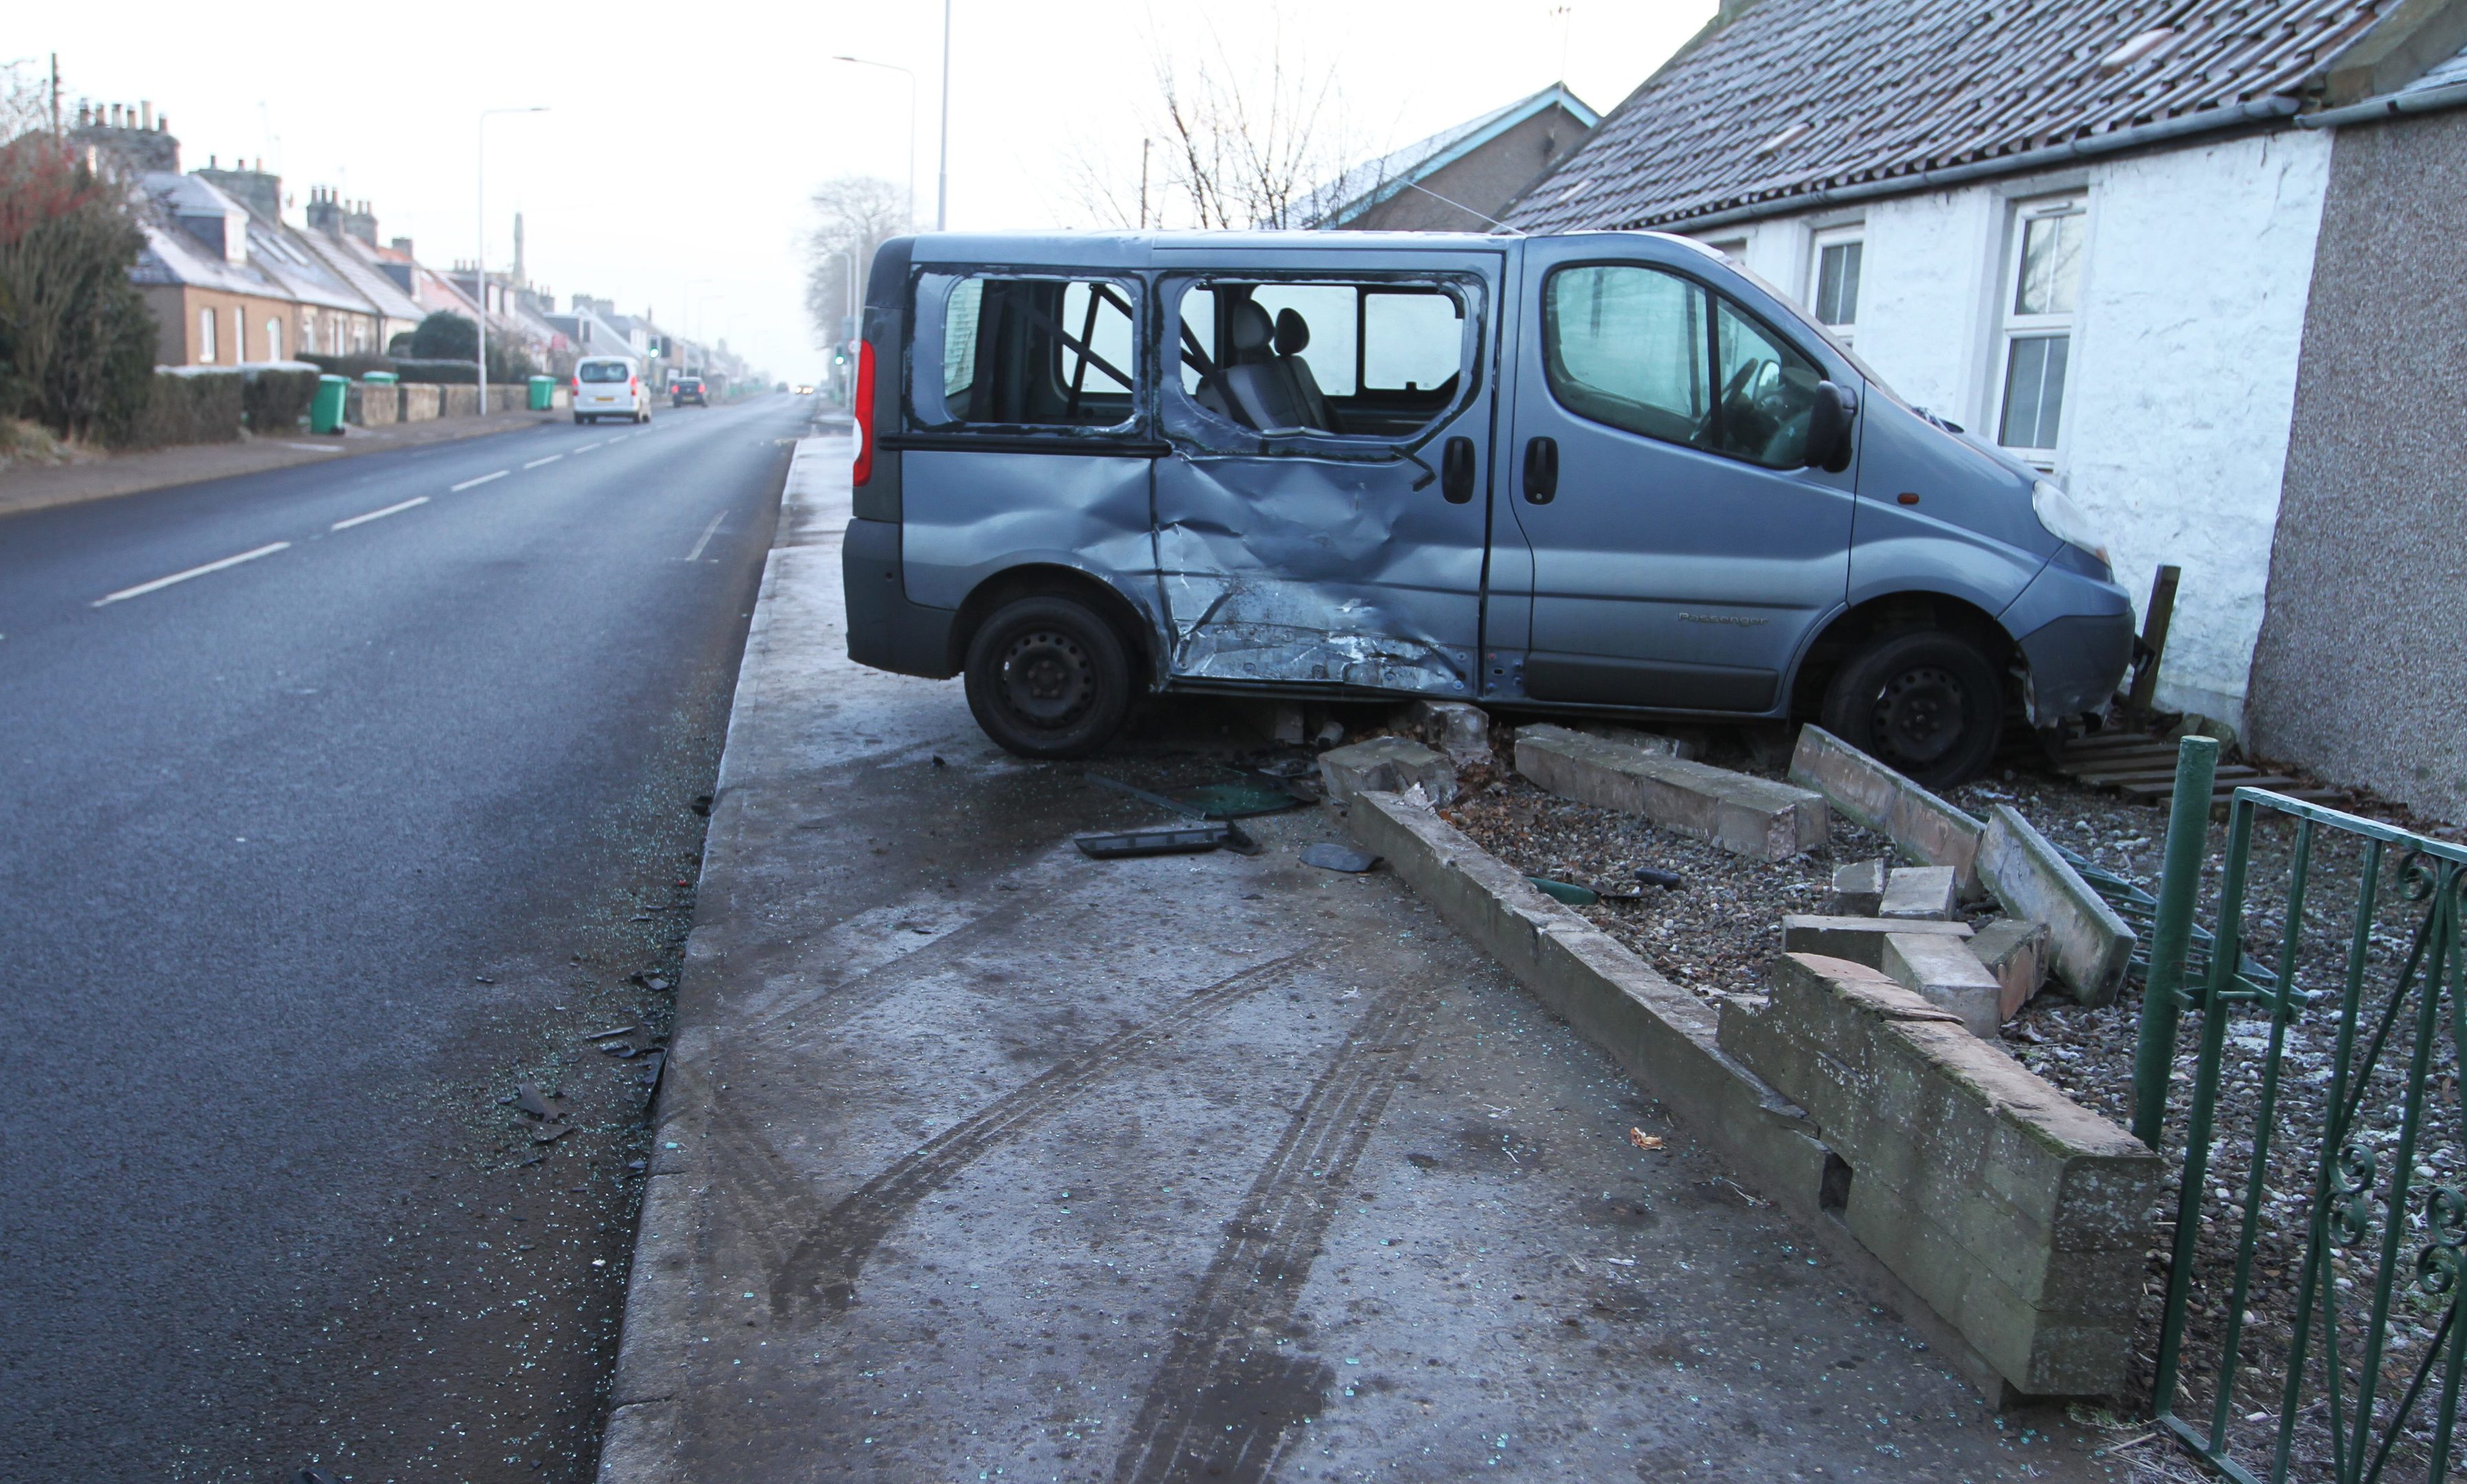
{"type": "Point", "coordinates": [2044, 278]}
{"type": "Point", "coordinates": [239, 335]}
{"type": "Point", "coordinates": [205, 337]}
{"type": "Point", "coordinates": [1833, 289]}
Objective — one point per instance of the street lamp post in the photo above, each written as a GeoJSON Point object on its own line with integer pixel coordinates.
{"type": "Point", "coordinates": [862, 61]}
{"type": "Point", "coordinates": [480, 247]}
{"type": "Point", "coordinates": [853, 312]}
{"type": "Point", "coordinates": [943, 135]}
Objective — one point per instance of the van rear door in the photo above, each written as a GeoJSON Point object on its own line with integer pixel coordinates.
{"type": "Point", "coordinates": [1680, 553]}
{"type": "Point", "coordinates": [1321, 518]}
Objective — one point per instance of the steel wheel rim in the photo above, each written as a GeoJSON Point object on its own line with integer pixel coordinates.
{"type": "Point", "coordinates": [1048, 678]}
{"type": "Point", "coordinates": [1919, 714]}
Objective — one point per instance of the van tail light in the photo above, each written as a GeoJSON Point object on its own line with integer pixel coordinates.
{"type": "Point", "coordinates": [633, 384]}
{"type": "Point", "coordinates": [864, 469]}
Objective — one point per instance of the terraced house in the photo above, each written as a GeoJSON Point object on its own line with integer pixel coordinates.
{"type": "Point", "coordinates": [2185, 256]}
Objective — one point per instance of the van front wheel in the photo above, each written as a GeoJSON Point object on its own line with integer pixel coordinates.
{"type": "Point", "coordinates": [1927, 703]}
{"type": "Point", "coordinates": [1048, 678]}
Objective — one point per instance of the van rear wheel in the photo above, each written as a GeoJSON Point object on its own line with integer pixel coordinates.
{"type": "Point", "coordinates": [1047, 677]}
{"type": "Point", "coordinates": [1925, 703]}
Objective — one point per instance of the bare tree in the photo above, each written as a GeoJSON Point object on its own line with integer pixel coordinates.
{"type": "Point", "coordinates": [854, 214]}
{"type": "Point", "coordinates": [1249, 148]}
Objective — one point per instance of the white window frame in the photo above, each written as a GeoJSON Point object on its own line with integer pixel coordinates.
{"type": "Point", "coordinates": [2013, 326]}
{"type": "Point", "coordinates": [207, 324]}
{"type": "Point", "coordinates": [239, 335]}
{"type": "Point", "coordinates": [1849, 234]}
{"type": "Point", "coordinates": [273, 338]}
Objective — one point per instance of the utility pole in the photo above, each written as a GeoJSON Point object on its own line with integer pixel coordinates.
{"type": "Point", "coordinates": [56, 95]}
{"type": "Point", "coordinates": [1145, 146]}
{"type": "Point", "coordinates": [942, 176]}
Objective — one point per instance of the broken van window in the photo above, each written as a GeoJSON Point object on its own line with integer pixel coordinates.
{"type": "Point", "coordinates": [1327, 357]}
{"type": "Point", "coordinates": [1655, 353]}
{"type": "Point", "coordinates": [1036, 351]}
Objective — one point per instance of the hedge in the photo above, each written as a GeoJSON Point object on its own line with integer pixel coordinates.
{"type": "Point", "coordinates": [187, 409]}
{"type": "Point", "coordinates": [352, 365]}
{"type": "Point", "coordinates": [277, 400]}
{"type": "Point", "coordinates": [438, 373]}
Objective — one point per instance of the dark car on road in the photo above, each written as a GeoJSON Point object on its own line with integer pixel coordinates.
{"type": "Point", "coordinates": [688, 389]}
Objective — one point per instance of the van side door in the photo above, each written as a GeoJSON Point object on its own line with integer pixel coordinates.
{"type": "Point", "coordinates": [1321, 518]}
{"type": "Point", "coordinates": [1682, 554]}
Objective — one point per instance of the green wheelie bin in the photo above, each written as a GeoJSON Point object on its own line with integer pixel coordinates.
{"type": "Point", "coordinates": [326, 412]}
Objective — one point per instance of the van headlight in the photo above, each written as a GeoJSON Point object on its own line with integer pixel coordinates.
{"type": "Point", "coordinates": [2065, 520]}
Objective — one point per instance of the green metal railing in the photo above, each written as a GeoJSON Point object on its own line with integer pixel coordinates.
{"type": "Point", "coordinates": [2376, 1243]}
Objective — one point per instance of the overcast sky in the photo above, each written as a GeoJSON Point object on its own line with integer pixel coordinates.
{"type": "Point", "coordinates": [682, 139]}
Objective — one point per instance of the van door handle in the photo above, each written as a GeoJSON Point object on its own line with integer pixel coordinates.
{"type": "Point", "coordinates": [1541, 470]}
{"type": "Point", "coordinates": [1456, 471]}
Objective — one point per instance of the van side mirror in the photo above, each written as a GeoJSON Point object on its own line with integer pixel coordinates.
{"type": "Point", "coordinates": [1829, 422]}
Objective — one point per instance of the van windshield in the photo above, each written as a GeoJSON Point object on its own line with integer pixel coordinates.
{"type": "Point", "coordinates": [603, 371]}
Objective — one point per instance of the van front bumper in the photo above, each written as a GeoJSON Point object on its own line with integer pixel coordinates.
{"type": "Point", "coordinates": [2077, 664]}
{"type": "Point", "coordinates": [884, 630]}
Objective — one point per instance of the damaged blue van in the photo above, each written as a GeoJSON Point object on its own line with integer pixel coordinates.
{"type": "Point", "coordinates": [1603, 473]}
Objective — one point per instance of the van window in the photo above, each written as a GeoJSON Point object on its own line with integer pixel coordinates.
{"type": "Point", "coordinates": [603, 370]}
{"type": "Point", "coordinates": [1654, 353]}
{"type": "Point", "coordinates": [1327, 357]}
{"type": "Point", "coordinates": [1037, 351]}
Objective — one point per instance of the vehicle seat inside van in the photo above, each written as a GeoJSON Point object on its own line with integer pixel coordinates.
{"type": "Point", "coordinates": [1264, 384]}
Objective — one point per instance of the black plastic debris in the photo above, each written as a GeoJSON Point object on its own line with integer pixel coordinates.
{"type": "Point", "coordinates": [314, 1476]}
{"type": "Point", "coordinates": [612, 1035]}
{"type": "Point", "coordinates": [530, 1100]}
{"type": "Point", "coordinates": [1172, 840]}
{"type": "Point", "coordinates": [552, 1134]}
{"type": "Point", "coordinates": [1569, 892]}
{"type": "Point", "coordinates": [1669, 881]}
{"type": "Point", "coordinates": [1339, 857]}
{"type": "Point", "coordinates": [701, 805]}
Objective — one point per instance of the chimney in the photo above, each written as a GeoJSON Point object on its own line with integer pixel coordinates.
{"type": "Point", "coordinates": [360, 222]}
{"type": "Point", "coordinates": [146, 111]}
{"type": "Point", "coordinates": [402, 245]}
{"type": "Point", "coordinates": [323, 215]}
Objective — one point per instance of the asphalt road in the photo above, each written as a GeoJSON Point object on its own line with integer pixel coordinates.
{"type": "Point", "coordinates": [306, 859]}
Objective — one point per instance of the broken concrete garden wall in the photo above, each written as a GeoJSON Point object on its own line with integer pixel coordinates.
{"type": "Point", "coordinates": [2017, 1215]}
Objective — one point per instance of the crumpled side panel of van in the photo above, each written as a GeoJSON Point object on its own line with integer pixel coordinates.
{"type": "Point", "coordinates": [1301, 573]}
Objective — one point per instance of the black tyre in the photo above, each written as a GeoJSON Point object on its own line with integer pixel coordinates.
{"type": "Point", "coordinates": [1925, 703]}
{"type": "Point", "coordinates": [1048, 678]}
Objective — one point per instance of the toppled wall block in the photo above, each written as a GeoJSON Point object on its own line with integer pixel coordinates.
{"type": "Point", "coordinates": [1928, 892]}
{"type": "Point", "coordinates": [1389, 764]}
{"type": "Point", "coordinates": [1688, 749]}
{"type": "Point", "coordinates": [1943, 971]}
{"type": "Point", "coordinates": [1859, 939]}
{"type": "Point", "coordinates": [1753, 816]}
{"type": "Point", "coordinates": [2087, 944]}
{"type": "Point", "coordinates": [1925, 829]}
{"type": "Point", "coordinates": [1858, 888]}
{"type": "Point", "coordinates": [2016, 952]}
{"type": "Point", "coordinates": [2017, 1215]}
{"type": "Point", "coordinates": [1456, 728]}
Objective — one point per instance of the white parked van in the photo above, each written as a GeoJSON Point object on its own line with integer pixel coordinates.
{"type": "Point", "coordinates": [610, 386]}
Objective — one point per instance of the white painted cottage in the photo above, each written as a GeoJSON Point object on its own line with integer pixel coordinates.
{"type": "Point", "coordinates": [2087, 228]}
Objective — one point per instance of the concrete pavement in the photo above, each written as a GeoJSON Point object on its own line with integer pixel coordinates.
{"type": "Point", "coordinates": [978, 1159]}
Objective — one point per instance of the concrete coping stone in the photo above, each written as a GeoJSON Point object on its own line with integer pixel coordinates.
{"type": "Point", "coordinates": [1944, 973]}
{"type": "Point", "coordinates": [1920, 892]}
{"type": "Point", "coordinates": [2088, 944]}
{"type": "Point", "coordinates": [1386, 764]}
{"type": "Point", "coordinates": [1860, 940]}
{"type": "Point", "coordinates": [1739, 812]}
{"type": "Point", "coordinates": [2016, 952]}
{"type": "Point", "coordinates": [1925, 829]}
{"type": "Point", "coordinates": [1859, 888]}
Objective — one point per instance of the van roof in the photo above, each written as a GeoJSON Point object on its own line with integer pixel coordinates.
{"type": "Point", "coordinates": [1139, 249]}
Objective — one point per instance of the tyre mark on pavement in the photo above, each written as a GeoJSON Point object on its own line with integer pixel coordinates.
{"type": "Point", "coordinates": [1227, 1395]}
{"type": "Point", "coordinates": [823, 1267]}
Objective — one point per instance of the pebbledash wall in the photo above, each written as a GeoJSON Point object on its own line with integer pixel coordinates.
{"type": "Point", "coordinates": [2186, 343]}
{"type": "Point", "coordinates": [2362, 669]}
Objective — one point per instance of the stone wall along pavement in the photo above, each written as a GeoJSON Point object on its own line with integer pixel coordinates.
{"type": "Point", "coordinates": [1925, 829]}
{"type": "Point", "coordinates": [419, 403]}
{"type": "Point", "coordinates": [2018, 1216]}
{"type": "Point", "coordinates": [1753, 817]}
{"type": "Point", "coordinates": [2087, 943]}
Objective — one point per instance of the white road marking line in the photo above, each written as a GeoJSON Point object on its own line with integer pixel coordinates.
{"type": "Point", "coordinates": [585, 448]}
{"type": "Point", "coordinates": [551, 459]}
{"type": "Point", "coordinates": [161, 583]}
{"type": "Point", "coordinates": [482, 480]}
{"type": "Point", "coordinates": [314, 448]}
{"type": "Point", "coordinates": [377, 514]}
{"type": "Point", "coordinates": [707, 531]}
